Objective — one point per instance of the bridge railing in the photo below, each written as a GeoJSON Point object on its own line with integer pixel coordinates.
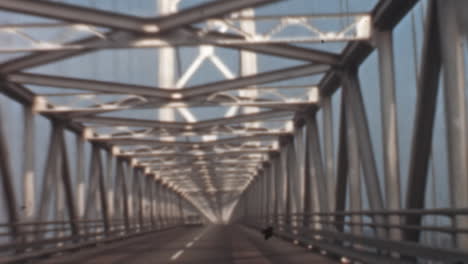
{"type": "Point", "coordinates": [40, 239]}
{"type": "Point", "coordinates": [335, 234]}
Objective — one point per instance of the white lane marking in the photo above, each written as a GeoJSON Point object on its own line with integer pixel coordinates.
{"type": "Point", "coordinates": [177, 254]}
{"type": "Point", "coordinates": [180, 252]}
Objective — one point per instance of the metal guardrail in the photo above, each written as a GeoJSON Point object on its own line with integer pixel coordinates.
{"type": "Point", "coordinates": [41, 239]}
{"type": "Point", "coordinates": [320, 230]}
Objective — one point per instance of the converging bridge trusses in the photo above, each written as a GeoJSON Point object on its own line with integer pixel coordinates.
{"type": "Point", "coordinates": [245, 145]}
{"type": "Point", "coordinates": [196, 154]}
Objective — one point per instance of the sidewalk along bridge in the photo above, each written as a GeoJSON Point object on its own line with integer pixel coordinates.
{"type": "Point", "coordinates": [173, 131]}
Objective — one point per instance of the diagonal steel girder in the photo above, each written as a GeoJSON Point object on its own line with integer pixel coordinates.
{"type": "Point", "coordinates": [261, 78]}
{"type": "Point", "coordinates": [159, 25]}
{"type": "Point", "coordinates": [86, 84]}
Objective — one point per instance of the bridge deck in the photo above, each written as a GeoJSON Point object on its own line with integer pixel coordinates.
{"type": "Point", "coordinates": [213, 244]}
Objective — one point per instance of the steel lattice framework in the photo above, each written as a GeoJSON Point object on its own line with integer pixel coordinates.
{"type": "Point", "coordinates": [264, 147]}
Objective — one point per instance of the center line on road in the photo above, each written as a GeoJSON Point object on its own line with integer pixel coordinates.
{"type": "Point", "coordinates": [189, 244]}
{"type": "Point", "coordinates": [177, 254]}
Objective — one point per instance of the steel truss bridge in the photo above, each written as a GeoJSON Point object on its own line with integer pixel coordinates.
{"type": "Point", "coordinates": [111, 168]}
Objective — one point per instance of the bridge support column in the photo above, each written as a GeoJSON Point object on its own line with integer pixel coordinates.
{"type": "Point", "coordinates": [280, 191]}
{"type": "Point", "coordinates": [389, 129]}
{"type": "Point", "coordinates": [354, 172]}
{"type": "Point", "coordinates": [300, 148]}
{"type": "Point", "coordinates": [137, 179]}
{"type": "Point", "coordinates": [48, 178]}
{"type": "Point", "coordinates": [80, 175]}
{"type": "Point", "coordinates": [355, 104]}
{"type": "Point", "coordinates": [122, 179]}
{"type": "Point", "coordinates": [274, 187]}
{"type": "Point", "coordinates": [110, 186]}
{"type": "Point", "coordinates": [28, 164]}
{"type": "Point", "coordinates": [318, 178]}
{"type": "Point", "coordinates": [285, 179]}
{"type": "Point", "coordinates": [293, 184]}
{"type": "Point", "coordinates": [8, 191]}
{"type": "Point", "coordinates": [428, 86]}
{"type": "Point", "coordinates": [329, 170]}
{"type": "Point", "coordinates": [150, 184]}
{"type": "Point", "coordinates": [264, 175]}
{"type": "Point", "coordinates": [342, 166]}
{"type": "Point", "coordinates": [455, 111]}
{"type": "Point", "coordinates": [67, 187]}
{"type": "Point", "coordinates": [267, 175]}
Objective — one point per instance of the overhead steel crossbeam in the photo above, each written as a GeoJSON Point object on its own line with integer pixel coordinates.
{"type": "Point", "coordinates": [204, 143]}
{"type": "Point", "coordinates": [196, 155]}
{"type": "Point", "coordinates": [74, 13]}
{"type": "Point", "coordinates": [158, 25]}
{"type": "Point", "coordinates": [85, 102]}
{"type": "Point", "coordinates": [119, 122]}
{"type": "Point", "coordinates": [219, 32]}
{"type": "Point", "coordinates": [185, 94]}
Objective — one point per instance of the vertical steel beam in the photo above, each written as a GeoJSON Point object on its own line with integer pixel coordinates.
{"type": "Point", "coordinates": [389, 128]}
{"type": "Point", "coordinates": [279, 206]}
{"type": "Point", "coordinates": [159, 204]}
{"type": "Point", "coordinates": [121, 175]}
{"type": "Point", "coordinates": [99, 173]}
{"type": "Point", "coordinates": [353, 173]}
{"type": "Point", "coordinates": [358, 116]}
{"type": "Point", "coordinates": [68, 187]}
{"type": "Point", "coordinates": [453, 57]}
{"type": "Point", "coordinates": [152, 199]}
{"type": "Point", "coordinates": [92, 200]}
{"type": "Point", "coordinates": [309, 202]}
{"type": "Point", "coordinates": [164, 211]}
{"type": "Point", "coordinates": [299, 161]}
{"type": "Point", "coordinates": [9, 195]}
{"type": "Point", "coordinates": [318, 180]}
{"type": "Point", "coordinates": [327, 111]}
{"type": "Point", "coordinates": [285, 209]}
{"type": "Point", "coordinates": [293, 183]}
{"type": "Point", "coordinates": [48, 175]}
{"type": "Point", "coordinates": [259, 195]}
{"type": "Point", "coordinates": [342, 165]}
{"type": "Point", "coordinates": [80, 175]}
{"type": "Point", "coordinates": [110, 184]}
{"type": "Point", "coordinates": [129, 178]}
{"type": "Point", "coordinates": [424, 121]}
{"type": "Point", "coordinates": [137, 177]}
{"type": "Point", "coordinates": [28, 163]}
{"type": "Point", "coordinates": [274, 185]}
{"type": "Point", "coordinates": [248, 60]}
{"type": "Point", "coordinates": [59, 208]}
{"type": "Point", "coordinates": [166, 62]}
{"type": "Point", "coordinates": [266, 169]}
